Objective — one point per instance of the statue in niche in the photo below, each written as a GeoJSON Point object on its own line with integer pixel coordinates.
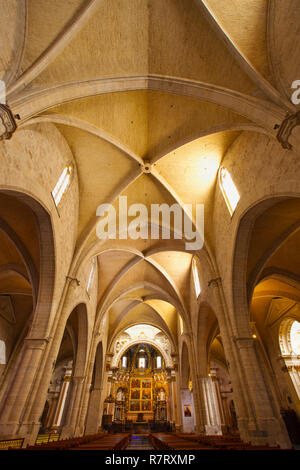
{"type": "Point", "coordinates": [120, 395]}
{"type": "Point", "coordinates": [161, 395]}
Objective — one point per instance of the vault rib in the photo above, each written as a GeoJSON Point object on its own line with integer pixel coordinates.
{"type": "Point", "coordinates": [52, 51]}
{"type": "Point", "coordinates": [242, 60]}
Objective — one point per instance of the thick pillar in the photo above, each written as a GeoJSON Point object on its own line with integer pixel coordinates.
{"type": "Point", "coordinates": [269, 427]}
{"type": "Point", "coordinates": [74, 405]}
{"type": "Point", "coordinates": [170, 413]}
{"type": "Point", "coordinates": [53, 405]}
{"type": "Point", "coordinates": [212, 412]}
{"type": "Point", "coordinates": [62, 400]}
{"type": "Point", "coordinates": [12, 410]}
{"type": "Point", "coordinates": [93, 417]}
{"type": "Point", "coordinates": [214, 377]}
{"type": "Point", "coordinates": [177, 403]}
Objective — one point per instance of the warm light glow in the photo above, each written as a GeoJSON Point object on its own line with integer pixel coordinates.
{"type": "Point", "coordinates": [62, 184]}
{"type": "Point", "coordinates": [295, 337]}
{"type": "Point", "coordinates": [142, 363]}
{"type": "Point", "coordinates": [180, 324]}
{"type": "Point", "coordinates": [229, 191]}
{"type": "Point", "coordinates": [196, 277]}
{"type": "Point", "coordinates": [253, 336]}
{"type": "Point", "coordinates": [142, 331]}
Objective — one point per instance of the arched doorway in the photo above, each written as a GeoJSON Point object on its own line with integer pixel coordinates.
{"type": "Point", "coordinates": [265, 274]}
{"type": "Point", "coordinates": [26, 289]}
{"type": "Point", "coordinates": [65, 388]}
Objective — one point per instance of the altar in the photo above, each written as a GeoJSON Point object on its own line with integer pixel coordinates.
{"type": "Point", "coordinates": [138, 395]}
{"type": "Point", "coordinates": [141, 427]}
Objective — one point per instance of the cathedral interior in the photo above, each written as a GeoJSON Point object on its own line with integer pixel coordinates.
{"type": "Point", "coordinates": [184, 104]}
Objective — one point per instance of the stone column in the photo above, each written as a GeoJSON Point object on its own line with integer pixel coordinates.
{"type": "Point", "coordinates": [170, 413]}
{"type": "Point", "coordinates": [212, 413]}
{"type": "Point", "coordinates": [72, 413]}
{"type": "Point", "coordinates": [62, 399]}
{"type": "Point", "coordinates": [53, 406]}
{"type": "Point", "coordinates": [177, 403]}
{"type": "Point", "coordinates": [269, 426]}
{"type": "Point", "coordinates": [197, 398]}
{"type": "Point", "coordinates": [84, 408]}
{"type": "Point", "coordinates": [93, 417]}
{"type": "Point", "coordinates": [20, 387]}
{"type": "Point", "coordinates": [214, 377]}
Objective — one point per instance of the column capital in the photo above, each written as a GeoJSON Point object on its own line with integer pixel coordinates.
{"type": "Point", "coordinates": [36, 343]}
{"type": "Point", "coordinates": [244, 342]}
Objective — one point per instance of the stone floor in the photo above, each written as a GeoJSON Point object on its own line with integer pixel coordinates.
{"type": "Point", "coordinates": [139, 442]}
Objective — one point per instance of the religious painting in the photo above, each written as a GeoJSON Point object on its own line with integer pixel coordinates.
{"type": "Point", "coordinates": [146, 394]}
{"type": "Point", "coordinates": [136, 383]}
{"type": "Point", "coordinates": [146, 384]}
{"type": "Point", "coordinates": [187, 411]}
{"type": "Point", "coordinates": [135, 394]}
{"type": "Point", "coordinates": [135, 405]}
{"type": "Point", "coordinates": [146, 405]}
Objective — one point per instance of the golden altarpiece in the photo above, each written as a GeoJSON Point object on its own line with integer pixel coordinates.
{"type": "Point", "coordinates": [140, 390]}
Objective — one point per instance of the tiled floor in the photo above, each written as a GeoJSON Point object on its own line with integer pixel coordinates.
{"type": "Point", "coordinates": [139, 442]}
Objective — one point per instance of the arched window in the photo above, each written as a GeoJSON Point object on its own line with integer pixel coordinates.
{"type": "Point", "coordinates": [62, 184]}
{"type": "Point", "coordinates": [295, 337]}
{"type": "Point", "coordinates": [124, 362]}
{"type": "Point", "coordinates": [91, 276]}
{"type": "Point", "coordinates": [289, 340]}
{"type": "Point", "coordinates": [2, 352]}
{"type": "Point", "coordinates": [158, 362]}
{"type": "Point", "coordinates": [196, 277]}
{"type": "Point", "coordinates": [229, 191]}
{"type": "Point", "coordinates": [142, 363]}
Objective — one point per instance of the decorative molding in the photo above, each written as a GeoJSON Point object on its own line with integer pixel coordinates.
{"type": "Point", "coordinates": [286, 128]}
{"type": "Point", "coordinates": [215, 282]}
{"type": "Point", "coordinates": [7, 122]}
{"type": "Point", "coordinates": [36, 343]}
{"type": "Point", "coordinates": [7, 309]}
{"type": "Point", "coordinates": [69, 278]}
{"type": "Point", "coordinates": [243, 342]}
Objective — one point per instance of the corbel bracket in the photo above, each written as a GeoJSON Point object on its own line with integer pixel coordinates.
{"type": "Point", "coordinates": [7, 122]}
{"type": "Point", "coordinates": [285, 129]}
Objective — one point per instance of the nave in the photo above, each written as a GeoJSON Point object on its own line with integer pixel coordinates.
{"type": "Point", "coordinates": [149, 223]}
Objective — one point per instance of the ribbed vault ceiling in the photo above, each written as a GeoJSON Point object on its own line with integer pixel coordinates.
{"type": "Point", "coordinates": [169, 82]}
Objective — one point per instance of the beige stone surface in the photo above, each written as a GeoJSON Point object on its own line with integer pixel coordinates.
{"type": "Point", "coordinates": [148, 100]}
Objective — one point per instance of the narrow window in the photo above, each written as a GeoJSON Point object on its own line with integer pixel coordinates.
{"type": "Point", "coordinates": [142, 363]}
{"type": "Point", "coordinates": [158, 362]}
{"type": "Point", "coordinates": [2, 352]}
{"type": "Point", "coordinates": [196, 278]}
{"type": "Point", "coordinates": [62, 184]}
{"type": "Point", "coordinates": [295, 337]}
{"type": "Point", "coordinates": [180, 324]}
{"type": "Point", "coordinates": [124, 362]}
{"type": "Point", "coordinates": [91, 276]}
{"type": "Point", "coordinates": [229, 191]}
